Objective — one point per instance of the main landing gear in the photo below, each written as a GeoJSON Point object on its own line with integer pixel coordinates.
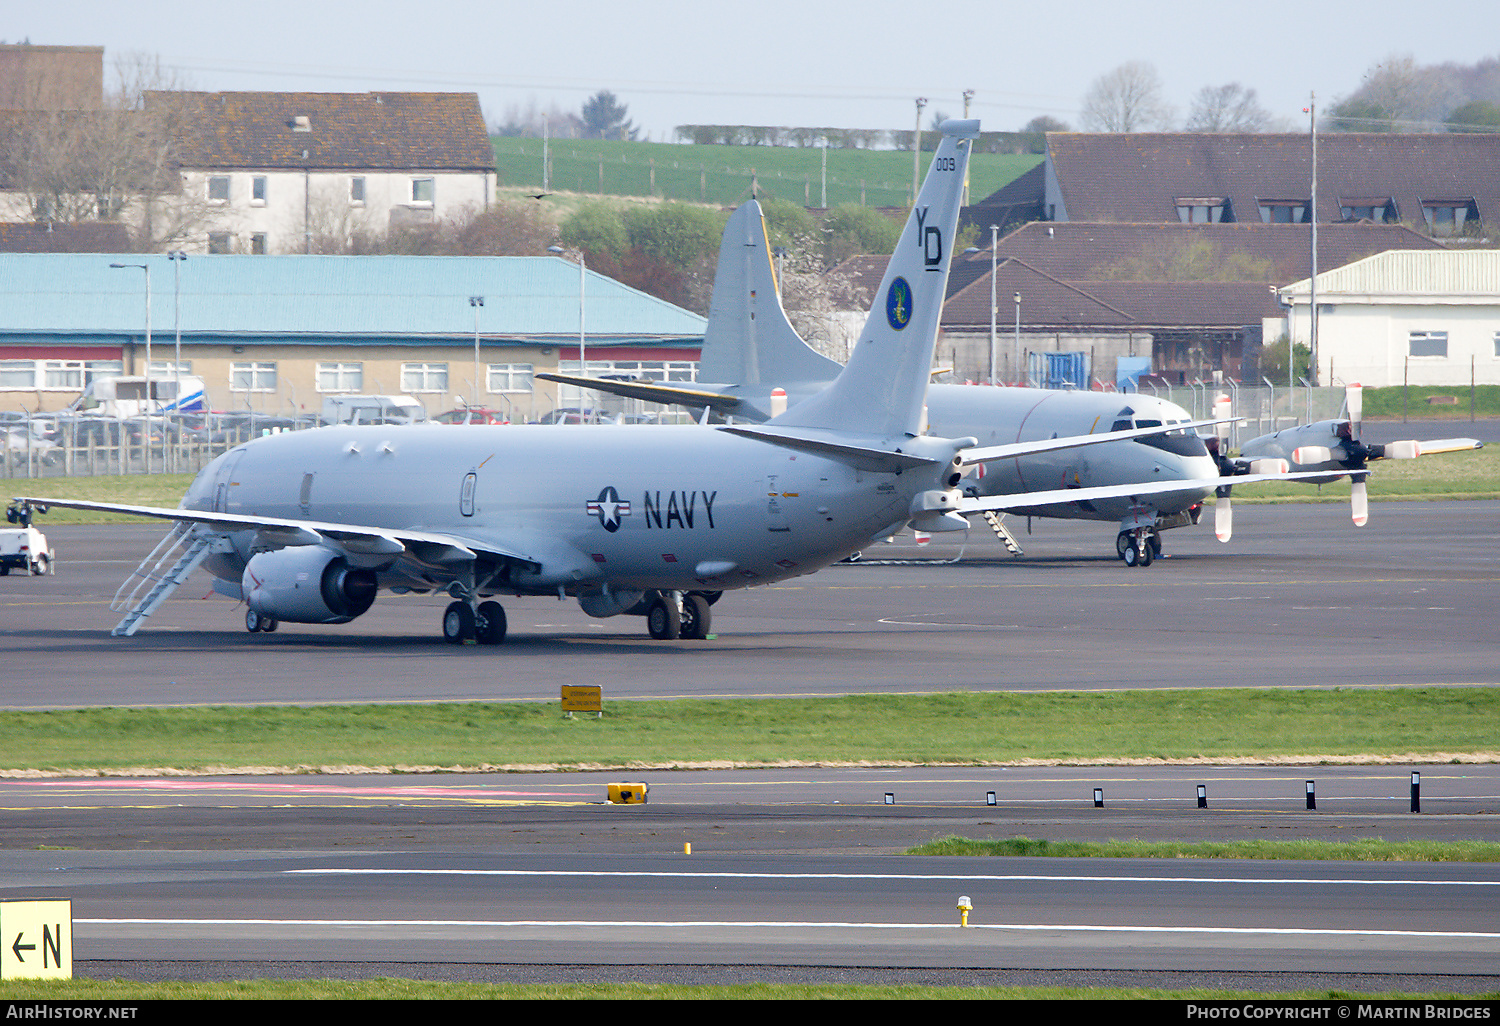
{"type": "Point", "coordinates": [676, 614]}
{"type": "Point", "coordinates": [1138, 547]}
{"type": "Point", "coordinates": [464, 624]}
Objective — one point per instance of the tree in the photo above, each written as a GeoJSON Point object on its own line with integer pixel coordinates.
{"type": "Point", "coordinates": [1127, 99]}
{"type": "Point", "coordinates": [1227, 108]}
{"type": "Point", "coordinates": [1045, 123]}
{"type": "Point", "coordinates": [604, 118]}
{"type": "Point", "coordinates": [852, 229]}
{"type": "Point", "coordinates": [1396, 96]}
{"type": "Point", "coordinates": [1475, 116]}
{"type": "Point", "coordinates": [596, 228]}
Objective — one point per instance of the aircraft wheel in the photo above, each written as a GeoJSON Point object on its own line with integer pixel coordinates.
{"type": "Point", "coordinates": [253, 621]}
{"type": "Point", "coordinates": [458, 624]}
{"type": "Point", "coordinates": [1155, 544]}
{"type": "Point", "coordinates": [1123, 544]}
{"type": "Point", "coordinates": [696, 617]}
{"type": "Point", "coordinates": [1145, 555]}
{"type": "Point", "coordinates": [1131, 555]}
{"type": "Point", "coordinates": [39, 567]}
{"type": "Point", "coordinates": [490, 628]}
{"type": "Point", "coordinates": [663, 620]}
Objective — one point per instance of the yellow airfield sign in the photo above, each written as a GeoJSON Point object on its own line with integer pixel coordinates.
{"type": "Point", "coordinates": [37, 939]}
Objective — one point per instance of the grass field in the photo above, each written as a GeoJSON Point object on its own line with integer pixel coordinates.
{"type": "Point", "coordinates": [981, 728]}
{"type": "Point", "coordinates": [721, 174]}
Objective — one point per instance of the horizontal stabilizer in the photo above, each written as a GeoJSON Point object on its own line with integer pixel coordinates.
{"type": "Point", "coordinates": [879, 461]}
{"type": "Point", "coordinates": [651, 392]}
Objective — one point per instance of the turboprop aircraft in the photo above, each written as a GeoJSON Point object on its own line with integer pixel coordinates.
{"type": "Point", "coordinates": [309, 526]}
{"type": "Point", "coordinates": [754, 365]}
{"type": "Point", "coordinates": [1336, 446]}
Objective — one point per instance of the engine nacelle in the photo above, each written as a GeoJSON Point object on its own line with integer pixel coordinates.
{"type": "Point", "coordinates": [307, 584]}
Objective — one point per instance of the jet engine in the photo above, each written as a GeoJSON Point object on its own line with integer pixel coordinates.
{"type": "Point", "coordinates": [307, 584]}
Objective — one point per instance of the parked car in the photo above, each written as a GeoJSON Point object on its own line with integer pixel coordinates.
{"type": "Point", "coordinates": [473, 415]}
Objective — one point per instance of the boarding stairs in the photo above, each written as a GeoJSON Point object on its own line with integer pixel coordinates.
{"type": "Point", "coordinates": [997, 524]}
{"type": "Point", "coordinates": [149, 585]}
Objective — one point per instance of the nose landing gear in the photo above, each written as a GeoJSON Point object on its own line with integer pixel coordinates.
{"type": "Point", "coordinates": [1138, 547]}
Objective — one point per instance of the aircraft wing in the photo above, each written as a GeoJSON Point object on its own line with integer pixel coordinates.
{"type": "Point", "coordinates": [1058, 496]}
{"type": "Point", "coordinates": [652, 391]}
{"type": "Point", "coordinates": [361, 541]}
{"type": "Point", "coordinates": [1010, 450]}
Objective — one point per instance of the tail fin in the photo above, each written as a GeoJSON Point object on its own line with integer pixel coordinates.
{"type": "Point", "coordinates": [882, 389]}
{"type": "Point", "coordinates": [749, 340]}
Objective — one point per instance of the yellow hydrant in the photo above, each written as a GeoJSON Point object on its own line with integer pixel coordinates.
{"type": "Point", "coordinates": [965, 906]}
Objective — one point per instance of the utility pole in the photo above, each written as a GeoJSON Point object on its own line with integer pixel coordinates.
{"type": "Point", "coordinates": [916, 149]}
{"type": "Point", "coordinates": [1312, 113]}
{"type": "Point", "coordinates": [968, 95]}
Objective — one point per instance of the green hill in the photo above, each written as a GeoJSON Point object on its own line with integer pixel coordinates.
{"type": "Point", "coordinates": [722, 174]}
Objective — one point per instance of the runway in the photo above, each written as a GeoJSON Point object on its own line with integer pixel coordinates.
{"type": "Point", "coordinates": [793, 874]}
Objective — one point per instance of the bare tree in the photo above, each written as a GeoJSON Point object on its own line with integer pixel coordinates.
{"type": "Point", "coordinates": [1127, 99]}
{"type": "Point", "coordinates": [1227, 108]}
{"type": "Point", "coordinates": [1397, 95]}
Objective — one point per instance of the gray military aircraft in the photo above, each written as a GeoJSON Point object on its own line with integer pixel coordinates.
{"type": "Point", "coordinates": [755, 364]}
{"type": "Point", "coordinates": [1336, 446]}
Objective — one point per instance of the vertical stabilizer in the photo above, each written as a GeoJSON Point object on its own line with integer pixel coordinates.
{"type": "Point", "coordinates": [749, 340]}
{"type": "Point", "coordinates": [882, 389]}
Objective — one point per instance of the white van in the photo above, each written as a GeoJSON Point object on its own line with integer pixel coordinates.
{"type": "Point", "coordinates": [372, 409]}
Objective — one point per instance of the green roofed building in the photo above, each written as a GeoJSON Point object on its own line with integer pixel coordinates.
{"type": "Point", "coordinates": [277, 334]}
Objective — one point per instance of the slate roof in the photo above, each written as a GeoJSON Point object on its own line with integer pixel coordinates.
{"type": "Point", "coordinates": [345, 131]}
{"type": "Point", "coordinates": [1139, 177]}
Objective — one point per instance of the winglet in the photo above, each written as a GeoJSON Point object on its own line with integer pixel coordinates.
{"type": "Point", "coordinates": [882, 389]}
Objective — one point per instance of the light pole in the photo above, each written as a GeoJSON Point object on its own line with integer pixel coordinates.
{"type": "Point", "coordinates": [476, 302]}
{"type": "Point", "coordinates": [177, 256]}
{"type": "Point", "coordinates": [146, 448]}
{"type": "Point", "coordinates": [916, 146]}
{"type": "Point", "coordinates": [994, 306]}
{"type": "Point", "coordinates": [583, 359]}
{"type": "Point", "coordinates": [1018, 332]}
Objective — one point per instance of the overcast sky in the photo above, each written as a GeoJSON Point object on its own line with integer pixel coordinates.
{"type": "Point", "coordinates": [775, 62]}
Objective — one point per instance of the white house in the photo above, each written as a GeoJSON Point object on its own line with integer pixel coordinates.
{"type": "Point", "coordinates": [269, 172]}
{"type": "Point", "coordinates": [1424, 317]}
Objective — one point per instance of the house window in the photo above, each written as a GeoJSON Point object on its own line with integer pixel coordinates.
{"type": "Point", "coordinates": [341, 377]}
{"type": "Point", "coordinates": [219, 242]}
{"type": "Point", "coordinates": [1497, 343]}
{"type": "Point", "coordinates": [1204, 209]}
{"type": "Point", "coordinates": [166, 368]}
{"type": "Point", "coordinates": [258, 243]}
{"type": "Point", "coordinates": [357, 191]}
{"type": "Point", "coordinates": [510, 377]}
{"type": "Point", "coordinates": [424, 377]}
{"type": "Point", "coordinates": [63, 374]}
{"type": "Point", "coordinates": [423, 190]}
{"type": "Point", "coordinates": [252, 377]}
{"type": "Point", "coordinates": [1380, 209]}
{"type": "Point", "coordinates": [1429, 343]}
{"type": "Point", "coordinates": [258, 191]}
{"type": "Point", "coordinates": [218, 188]}
{"type": "Point", "coordinates": [1275, 211]}
{"type": "Point", "coordinates": [1449, 216]}
{"type": "Point", "coordinates": [17, 373]}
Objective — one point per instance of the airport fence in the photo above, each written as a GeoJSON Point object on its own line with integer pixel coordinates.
{"type": "Point", "coordinates": [1262, 409]}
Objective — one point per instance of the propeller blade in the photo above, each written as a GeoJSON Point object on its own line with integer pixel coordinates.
{"type": "Point", "coordinates": [1223, 517]}
{"type": "Point", "coordinates": [1307, 455]}
{"type": "Point", "coordinates": [1407, 450]}
{"type": "Point", "coordinates": [1359, 502]}
{"type": "Point", "coordinates": [1222, 411]}
{"type": "Point", "coordinates": [1354, 395]}
{"type": "Point", "coordinates": [1437, 445]}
